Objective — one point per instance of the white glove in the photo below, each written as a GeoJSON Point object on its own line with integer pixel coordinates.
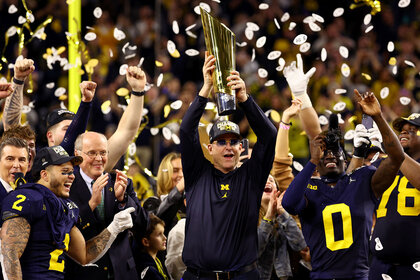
{"type": "Point", "coordinates": [360, 136]}
{"type": "Point", "coordinates": [121, 222]}
{"type": "Point", "coordinates": [297, 80]}
{"type": "Point", "coordinates": [375, 136]}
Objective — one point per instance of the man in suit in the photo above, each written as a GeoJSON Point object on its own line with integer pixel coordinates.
{"type": "Point", "coordinates": [99, 196]}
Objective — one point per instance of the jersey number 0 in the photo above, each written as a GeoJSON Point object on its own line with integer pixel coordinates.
{"type": "Point", "coordinates": [347, 240]}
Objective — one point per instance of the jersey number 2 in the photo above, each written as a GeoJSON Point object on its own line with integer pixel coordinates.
{"type": "Point", "coordinates": [347, 240]}
{"type": "Point", "coordinates": [54, 263]}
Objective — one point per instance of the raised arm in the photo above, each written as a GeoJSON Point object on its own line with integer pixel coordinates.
{"type": "Point", "coordinates": [385, 174]}
{"type": "Point", "coordinates": [14, 103]}
{"type": "Point", "coordinates": [131, 118]}
{"type": "Point", "coordinates": [411, 169]}
{"type": "Point", "coordinates": [14, 237]}
{"type": "Point", "coordinates": [91, 251]}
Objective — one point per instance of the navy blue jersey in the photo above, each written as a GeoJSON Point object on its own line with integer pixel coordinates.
{"type": "Point", "coordinates": [396, 237]}
{"type": "Point", "coordinates": [51, 220]}
{"type": "Point", "coordinates": [337, 223]}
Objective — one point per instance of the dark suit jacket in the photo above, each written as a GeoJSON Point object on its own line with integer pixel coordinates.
{"type": "Point", "coordinates": [119, 257]}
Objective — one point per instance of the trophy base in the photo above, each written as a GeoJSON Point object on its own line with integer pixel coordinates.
{"type": "Point", "coordinates": [226, 103]}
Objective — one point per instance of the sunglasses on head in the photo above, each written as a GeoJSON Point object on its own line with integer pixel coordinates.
{"type": "Point", "coordinates": [223, 142]}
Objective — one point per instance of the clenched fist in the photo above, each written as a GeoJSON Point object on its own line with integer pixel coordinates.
{"type": "Point", "coordinates": [136, 78]}
{"type": "Point", "coordinates": [23, 68]}
{"type": "Point", "coordinates": [5, 90]}
{"type": "Point", "coordinates": [88, 90]}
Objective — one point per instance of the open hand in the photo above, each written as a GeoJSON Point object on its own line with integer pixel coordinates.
{"type": "Point", "coordinates": [369, 103]}
{"type": "Point", "coordinates": [120, 185]}
{"type": "Point", "coordinates": [297, 80]}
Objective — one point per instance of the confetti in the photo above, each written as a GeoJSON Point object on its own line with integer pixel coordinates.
{"type": "Point", "coordinates": [367, 19]}
{"type": "Point", "coordinates": [276, 23]}
{"type": "Point", "coordinates": [375, 157]}
{"type": "Point", "coordinates": [384, 92]}
{"type": "Point", "coordinates": [314, 27]}
{"type": "Point", "coordinates": [106, 107]}
{"type": "Point", "coordinates": [12, 9]}
{"type": "Point", "coordinates": [167, 134]}
{"type": "Point", "coordinates": [252, 26]}
{"type": "Point", "coordinates": [369, 29]}
{"type": "Point", "coordinates": [274, 55]}
{"type": "Point", "coordinates": [340, 91]}
{"type": "Point", "coordinates": [175, 27]}
{"type": "Point", "coordinates": [90, 36]}
{"type": "Point", "coordinates": [323, 54]}
{"type": "Point", "coordinates": [11, 31]}
{"type": "Point", "coordinates": [345, 70]}
{"type": "Point", "coordinates": [30, 16]}
{"type": "Point", "coordinates": [166, 110]}
{"type": "Point", "coordinates": [111, 53]}
{"type": "Point", "coordinates": [416, 266]}
{"type": "Point", "coordinates": [159, 80]}
{"type": "Point", "coordinates": [340, 106]}
{"type": "Point", "coordinates": [210, 106]}
{"type": "Point", "coordinates": [132, 149]}
{"type": "Point", "coordinates": [263, 6]}
{"type": "Point", "coordinates": [323, 120]}
{"type": "Point", "coordinates": [192, 52]}
{"type": "Point", "coordinates": [300, 39]}
{"type": "Point", "coordinates": [50, 85]}
{"type": "Point", "coordinates": [349, 135]}
{"type": "Point", "coordinates": [204, 6]}
{"type": "Point", "coordinates": [97, 12]}
{"type": "Point", "coordinates": [409, 63]}
{"type": "Point", "coordinates": [190, 27]}
{"type": "Point", "coordinates": [59, 91]}
{"type": "Point", "coordinates": [305, 47]}
{"type": "Point", "coordinates": [394, 70]}
{"type": "Point", "coordinates": [338, 12]}
{"type": "Point", "coordinates": [285, 17]}
{"type": "Point", "coordinates": [292, 25]}
{"type": "Point", "coordinates": [192, 35]}
{"type": "Point", "coordinates": [318, 18]}
{"type": "Point", "coordinates": [403, 3]}
{"type": "Point", "coordinates": [119, 34]}
{"type": "Point", "coordinates": [154, 131]}
{"type": "Point", "coordinates": [176, 105]}
{"type": "Point", "coordinates": [171, 46]}
{"type": "Point", "coordinates": [390, 47]}
{"type": "Point", "coordinates": [392, 61]}
{"type": "Point", "coordinates": [344, 52]}
{"type": "Point", "coordinates": [262, 73]}
{"type": "Point", "coordinates": [405, 100]}
{"type": "Point", "coordinates": [140, 62]}
{"type": "Point", "coordinates": [243, 44]}
{"type": "Point", "coordinates": [62, 106]}
{"type": "Point", "coordinates": [367, 76]}
{"type": "Point", "coordinates": [26, 109]}
{"type": "Point", "coordinates": [249, 34]}
{"type": "Point", "coordinates": [269, 83]}
{"type": "Point", "coordinates": [386, 276]}
{"type": "Point", "coordinates": [122, 92]}
{"type": "Point", "coordinates": [123, 69]}
{"type": "Point", "coordinates": [253, 55]}
{"type": "Point", "coordinates": [261, 41]}
{"type": "Point", "coordinates": [176, 139]}
{"type": "Point", "coordinates": [309, 19]}
{"type": "Point", "coordinates": [297, 166]}
{"type": "Point", "coordinates": [282, 62]}
{"type": "Point", "coordinates": [21, 20]}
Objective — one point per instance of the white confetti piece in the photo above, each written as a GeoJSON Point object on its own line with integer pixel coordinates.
{"type": "Point", "coordinates": [340, 119]}
{"type": "Point", "coordinates": [386, 276]}
{"type": "Point", "coordinates": [59, 91]}
{"type": "Point", "coordinates": [344, 52]}
{"type": "Point", "coordinates": [340, 106]}
{"type": "Point", "coordinates": [403, 3]}
{"type": "Point", "coordinates": [323, 120]}
{"type": "Point", "coordinates": [253, 26]}
{"type": "Point", "coordinates": [192, 35]}
{"type": "Point", "coordinates": [394, 70]}
{"type": "Point", "coordinates": [253, 55]}
{"type": "Point", "coordinates": [274, 55]}
{"type": "Point", "coordinates": [269, 83]}
{"type": "Point", "coordinates": [390, 47]}
{"type": "Point", "coordinates": [276, 23]}
{"type": "Point", "coordinates": [140, 62]}
{"type": "Point", "coordinates": [132, 149]}
{"type": "Point", "coordinates": [175, 27]}
{"type": "Point", "coordinates": [30, 17]}
{"type": "Point", "coordinates": [97, 12]}
{"type": "Point", "coordinates": [204, 6]}
{"type": "Point", "coordinates": [62, 106]}
{"type": "Point", "coordinates": [26, 109]}
{"type": "Point", "coordinates": [123, 69]}
{"type": "Point", "coordinates": [318, 18]}
{"type": "Point", "coordinates": [159, 80]}
{"type": "Point", "coordinates": [338, 12]}
{"type": "Point", "coordinates": [192, 52]}
{"type": "Point", "coordinates": [111, 53]}
{"type": "Point", "coordinates": [323, 54]}
{"type": "Point", "coordinates": [297, 166]}
{"type": "Point", "coordinates": [375, 157]}
{"type": "Point", "coordinates": [249, 34]}
{"type": "Point", "coordinates": [50, 85]}
{"type": "Point", "coordinates": [12, 9]}
{"type": "Point", "coordinates": [314, 27]}
{"type": "Point", "coordinates": [21, 20]}
{"type": "Point", "coordinates": [119, 34]}
{"type": "Point", "coordinates": [292, 25]}
{"type": "Point", "coordinates": [262, 73]}
{"type": "Point", "coordinates": [154, 131]}
{"type": "Point", "coordinates": [176, 105]}
{"type": "Point", "coordinates": [11, 31]}
{"type": "Point", "coordinates": [345, 70]}
{"type": "Point", "coordinates": [125, 47]}
{"type": "Point", "coordinates": [349, 134]}
{"type": "Point", "coordinates": [305, 47]}
{"type": "Point", "coordinates": [285, 17]}
{"type": "Point", "coordinates": [171, 46]}
{"type": "Point", "coordinates": [3, 80]}
{"type": "Point", "coordinates": [90, 36]}
{"type": "Point", "coordinates": [243, 44]}
{"type": "Point", "coordinates": [167, 133]}
{"type": "Point", "coordinates": [416, 266]}
{"type": "Point", "coordinates": [367, 19]}
{"type": "Point", "coordinates": [405, 100]}
{"type": "Point", "coordinates": [300, 39]}
{"type": "Point", "coordinates": [409, 63]}
{"type": "Point", "coordinates": [369, 29]}
{"type": "Point", "coordinates": [190, 27]}
{"type": "Point", "coordinates": [384, 92]}
{"type": "Point", "coordinates": [309, 19]}
{"type": "Point", "coordinates": [282, 62]}
{"type": "Point", "coordinates": [176, 139]}
{"type": "Point", "coordinates": [263, 6]}
{"type": "Point", "coordinates": [261, 42]}
{"type": "Point", "coordinates": [340, 91]}
{"type": "Point", "coordinates": [210, 106]}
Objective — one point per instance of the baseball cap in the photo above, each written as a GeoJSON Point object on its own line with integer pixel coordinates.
{"type": "Point", "coordinates": [57, 116]}
{"type": "Point", "coordinates": [54, 155]}
{"type": "Point", "coordinates": [223, 127]}
{"type": "Point", "coordinates": [413, 119]}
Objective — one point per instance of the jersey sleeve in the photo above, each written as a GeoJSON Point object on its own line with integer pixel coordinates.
{"type": "Point", "coordinates": [23, 203]}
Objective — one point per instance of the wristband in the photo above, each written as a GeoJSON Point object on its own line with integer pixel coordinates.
{"type": "Point", "coordinates": [138, 93]}
{"type": "Point", "coordinates": [18, 82]}
{"type": "Point", "coordinates": [283, 126]}
{"type": "Point", "coordinates": [288, 124]}
{"type": "Point", "coordinates": [268, 221]}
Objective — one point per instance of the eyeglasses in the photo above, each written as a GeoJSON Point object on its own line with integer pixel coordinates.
{"type": "Point", "coordinates": [67, 173]}
{"type": "Point", "coordinates": [94, 154]}
{"type": "Point", "coordinates": [223, 142]}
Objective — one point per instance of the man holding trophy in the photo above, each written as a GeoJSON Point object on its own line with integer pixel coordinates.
{"type": "Point", "coordinates": [222, 200]}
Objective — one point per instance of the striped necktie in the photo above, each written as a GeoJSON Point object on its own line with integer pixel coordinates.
{"type": "Point", "coordinates": [100, 207]}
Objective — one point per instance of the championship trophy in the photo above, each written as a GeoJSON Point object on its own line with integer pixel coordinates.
{"type": "Point", "coordinates": [220, 42]}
